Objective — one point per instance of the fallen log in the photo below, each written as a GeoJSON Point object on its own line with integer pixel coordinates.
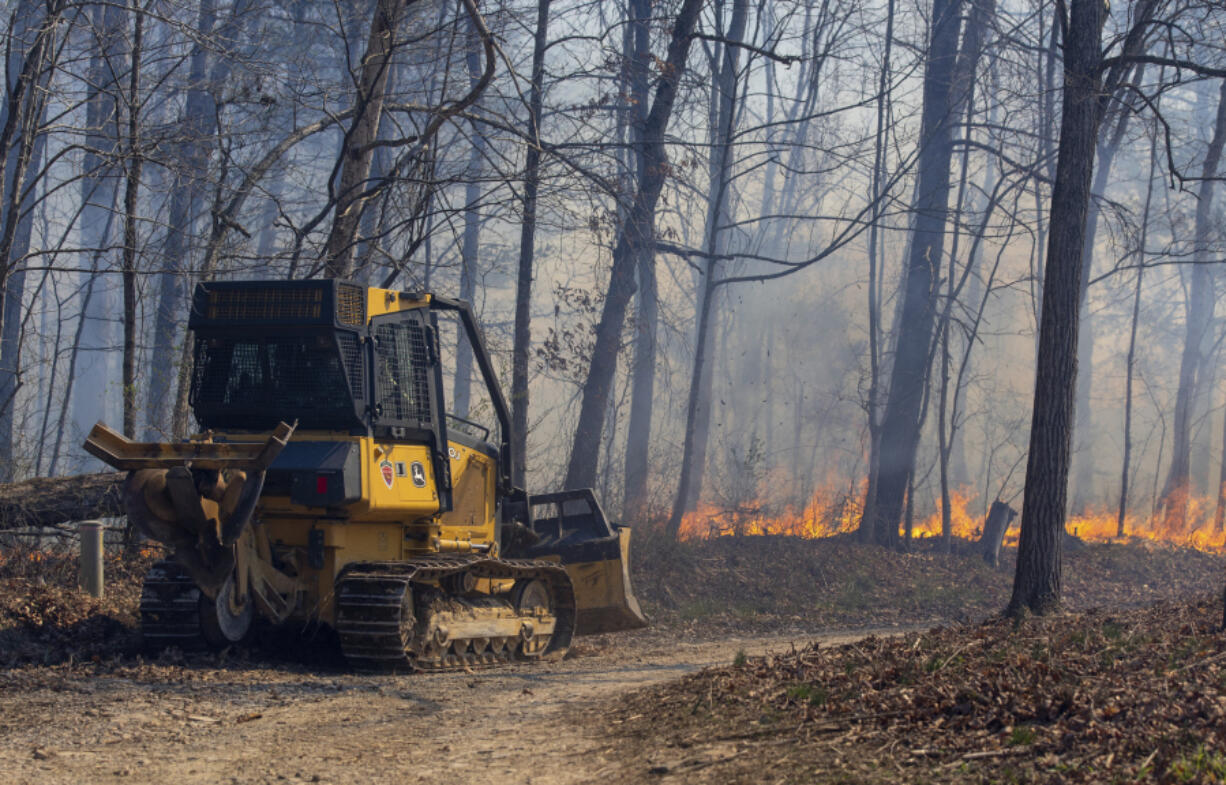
{"type": "Point", "coordinates": [49, 501]}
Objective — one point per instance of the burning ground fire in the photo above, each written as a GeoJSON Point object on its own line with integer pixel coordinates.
{"type": "Point", "coordinates": [831, 512]}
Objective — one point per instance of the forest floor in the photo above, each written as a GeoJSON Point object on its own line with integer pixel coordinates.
{"type": "Point", "coordinates": [769, 660]}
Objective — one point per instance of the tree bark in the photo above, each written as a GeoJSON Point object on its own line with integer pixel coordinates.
{"type": "Point", "coordinates": [461, 399]}
{"type": "Point", "coordinates": [638, 431]}
{"type": "Point", "coordinates": [522, 350]}
{"type": "Point", "coordinates": [637, 231]}
{"type": "Point", "coordinates": [1037, 580]}
{"type": "Point", "coordinates": [131, 192]}
{"type": "Point", "coordinates": [900, 424]}
{"type": "Point", "coordinates": [1198, 326]}
{"type": "Point", "coordinates": [1130, 358]}
{"type": "Point", "coordinates": [358, 150]}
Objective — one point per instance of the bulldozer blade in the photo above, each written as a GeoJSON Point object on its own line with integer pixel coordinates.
{"type": "Point", "coordinates": [571, 527]}
{"type": "Point", "coordinates": [603, 597]}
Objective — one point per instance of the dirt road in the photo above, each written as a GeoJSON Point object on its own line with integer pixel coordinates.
{"type": "Point", "coordinates": [182, 725]}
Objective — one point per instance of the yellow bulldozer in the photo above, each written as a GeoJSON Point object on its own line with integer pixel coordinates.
{"type": "Point", "coordinates": [331, 485]}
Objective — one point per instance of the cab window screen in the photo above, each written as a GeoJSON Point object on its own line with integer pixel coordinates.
{"type": "Point", "coordinates": [402, 379]}
{"type": "Point", "coordinates": [256, 382]}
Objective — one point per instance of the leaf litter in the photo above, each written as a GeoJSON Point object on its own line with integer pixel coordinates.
{"type": "Point", "coordinates": [1089, 697]}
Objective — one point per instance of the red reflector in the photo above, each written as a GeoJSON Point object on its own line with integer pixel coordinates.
{"type": "Point", "coordinates": [321, 484]}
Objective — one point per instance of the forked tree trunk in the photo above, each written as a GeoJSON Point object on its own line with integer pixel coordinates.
{"type": "Point", "coordinates": [698, 410]}
{"type": "Point", "coordinates": [876, 259]}
{"type": "Point", "coordinates": [637, 231]}
{"type": "Point", "coordinates": [93, 381]}
{"type": "Point", "coordinates": [29, 62]}
{"type": "Point", "coordinates": [698, 416]}
{"type": "Point", "coordinates": [964, 87]}
{"type": "Point", "coordinates": [188, 177]}
{"type": "Point", "coordinates": [1083, 429]}
{"type": "Point", "coordinates": [358, 150]}
{"type": "Point", "coordinates": [901, 419]}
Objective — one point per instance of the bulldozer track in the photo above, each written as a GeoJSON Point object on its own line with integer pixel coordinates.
{"type": "Point", "coordinates": [388, 614]}
{"type": "Point", "coordinates": [170, 609]}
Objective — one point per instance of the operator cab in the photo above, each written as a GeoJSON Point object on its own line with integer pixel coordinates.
{"type": "Point", "coordinates": [338, 357]}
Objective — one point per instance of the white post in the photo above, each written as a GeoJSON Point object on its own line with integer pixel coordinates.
{"type": "Point", "coordinates": [91, 556]}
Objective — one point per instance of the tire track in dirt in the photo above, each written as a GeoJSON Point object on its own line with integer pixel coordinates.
{"type": "Point", "coordinates": [198, 725]}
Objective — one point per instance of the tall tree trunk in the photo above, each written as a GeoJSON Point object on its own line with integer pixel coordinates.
{"type": "Point", "coordinates": [698, 409]}
{"type": "Point", "coordinates": [1083, 428]}
{"type": "Point", "coordinates": [872, 403]}
{"type": "Point", "coordinates": [131, 192]}
{"type": "Point", "coordinates": [637, 231]}
{"type": "Point", "coordinates": [719, 216]}
{"type": "Point", "coordinates": [94, 379]}
{"type": "Point", "coordinates": [964, 86]}
{"type": "Point", "coordinates": [357, 149]}
{"type": "Point", "coordinates": [1219, 512]}
{"type": "Point", "coordinates": [900, 423]}
{"type": "Point", "coordinates": [638, 432]}
{"type": "Point", "coordinates": [1130, 359]}
{"type": "Point", "coordinates": [522, 350]}
{"type": "Point", "coordinates": [190, 155]}
{"type": "Point", "coordinates": [471, 240]}
{"type": "Point", "coordinates": [1037, 580]}
{"type": "Point", "coordinates": [1198, 324]}
{"type": "Point", "coordinates": [28, 71]}
{"type": "Point", "coordinates": [11, 337]}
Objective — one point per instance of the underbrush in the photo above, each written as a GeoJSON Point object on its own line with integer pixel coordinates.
{"type": "Point", "coordinates": [1096, 697]}
{"type": "Point", "coordinates": [45, 618]}
{"type": "Point", "coordinates": [746, 584]}
{"type": "Point", "coordinates": [837, 582]}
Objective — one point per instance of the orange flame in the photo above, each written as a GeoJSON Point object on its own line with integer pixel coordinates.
{"type": "Point", "coordinates": [827, 513]}
{"type": "Point", "coordinates": [831, 511]}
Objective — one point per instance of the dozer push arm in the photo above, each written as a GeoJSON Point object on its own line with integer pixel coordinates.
{"type": "Point", "coordinates": [176, 493]}
{"type": "Point", "coordinates": [115, 449]}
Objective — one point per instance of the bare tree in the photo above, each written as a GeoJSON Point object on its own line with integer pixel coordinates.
{"type": "Point", "coordinates": [637, 231]}
{"type": "Point", "coordinates": [1037, 582]}
{"type": "Point", "coordinates": [901, 423]}
{"type": "Point", "coordinates": [698, 414]}
{"type": "Point", "coordinates": [1193, 363]}
{"type": "Point", "coordinates": [527, 247]}
{"type": "Point", "coordinates": [359, 145]}
{"type": "Point", "coordinates": [31, 49]}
